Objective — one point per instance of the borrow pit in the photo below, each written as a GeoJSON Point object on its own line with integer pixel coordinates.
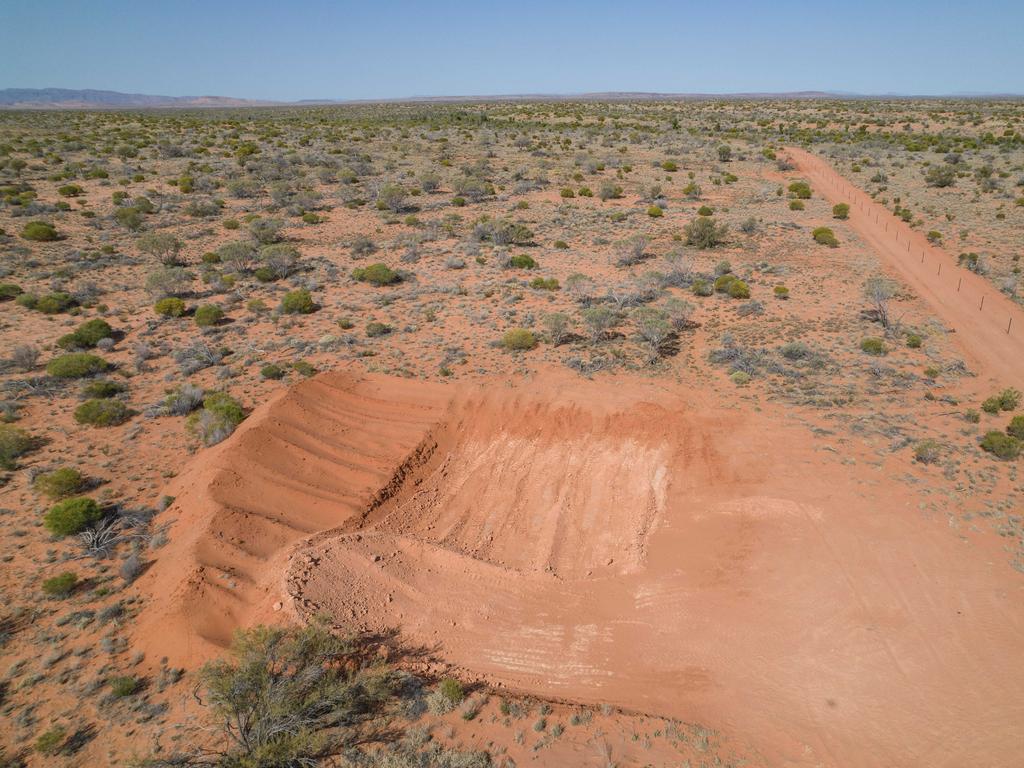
{"type": "Point", "coordinates": [605, 543]}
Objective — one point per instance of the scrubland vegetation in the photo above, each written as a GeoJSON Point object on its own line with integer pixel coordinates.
{"type": "Point", "coordinates": [161, 274]}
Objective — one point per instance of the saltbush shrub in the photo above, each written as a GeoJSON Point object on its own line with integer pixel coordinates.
{"type": "Point", "coordinates": [217, 419]}
{"type": "Point", "coordinates": [1003, 446]}
{"type": "Point", "coordinates": [840, 211]}
{"type": "Point", "coordinates": [518, 339]}
{"type": "Point", "coordinates": [14, 443]}
{"type": "Point", "coordinates": [376, 274]}
{"type": "Point", "coordinates": [60, 483]}
{"type": "Point", "coordinates": [297, 302]}
{"type": "Point", "coordinates": [739, 290]}
{"type": "Point", "coordinates": [825, 236]}
{"type": "Point", "coordinates": [873, 346]}
{"type": "Point", "coordinates": [170, 307]}
{"type": "Point", "coordinates": [60, 586]}
{"type": "Point", "coordinates": [102, 412]}
{"type": "Point", "coordinates": [801, 189]}
{"type": "Point", "coordinates": [72, 515]}
{"type": "Point", "coordinates": [76, 365]}
{"type": "Point", "coordinates": [208, 315]}
{"type": "Point", "coordinates": [87, 335]}
{"type": "Point", "coordinates": [39, 231]}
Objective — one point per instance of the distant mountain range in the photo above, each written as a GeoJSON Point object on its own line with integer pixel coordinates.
{"type": "Point", "coordinates": [66, 98]}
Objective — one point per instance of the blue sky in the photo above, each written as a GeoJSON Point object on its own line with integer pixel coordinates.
{"type": "Point", "coordinates": [319, 49]}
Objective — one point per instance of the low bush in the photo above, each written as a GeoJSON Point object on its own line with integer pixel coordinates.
{"type": "Point", "coordinates": [927, 451]}
{"type": "Point", "coordinates": [781, 292]}
{"type": "Point", "coordinates": [124, 685]}
{"type": "Point", "coordinates": [102, 412]}
{"type": "Point", "coordinates": [72, 515]}
{"type": "Point", "coordinates": [704, 232]}
{"type": "Point", "coordinates": [208, 315]}
{"type": "Point", "coordinates": [873, 346]}
{"type": "Point", "coordinates": [522, 261]}
{"type": "Point", "coordinates": [375, 329]}
{"type": "Point", "coordinates": [1007, 400]}
{"type": "Point", "coordinates": [376, 274]}
{"type": "Point", "coordinates": [1003, 446]}
{"type": "Point", "coordinates": [297, 302]}
{"type": "Point", "coordinates": [60, 483]}
{"type": "Point", "coordinates": [170, 307]}
{"type": "Point", "coordinates": [103, 388]}
{"type": "Point", "coordinates": [702, 287]}
{"type": "Point", "coordinates": [40, 231]}
{"type": "Point", "coordinates": [544, 284]}
{"type": "Point", "coordinates": [87, 335]}
{"type": "Point", "coordinates": [796, 205]}
{"type": "Point", "coordinates": [1016, 427]}
{"type": "Point", "coordinates": [14, 443]}
{"type": "Point", "coordinates": [739, 290]}
{"type": "Point", "coordinates": [217, 419]}
{"type": "Point", "coordinates": [9, 291]}
{"type": "Point", "coordinates": [840, 211]}
{"type": "Point", "coordinates": [722, 282]}
{"type": "Point", "coordinates": [272, 371]}
{"type": "Point", "coordinates": [518, 339]}
{"type": "Point", "coordinates": [914, 341]}
{"type": "Point", "coordinates": [76, 365]}
{"type": "Point", "coordinates": [60, 586]}
{"type": "Point", "coordinates": [800, 189]}
{"type": "Point", "coordinates": [825, 236]}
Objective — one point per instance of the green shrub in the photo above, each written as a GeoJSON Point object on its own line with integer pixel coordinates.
{"type": "Point", "coordinates": [87, 335]}
{"type": "Point", "coordinates": [702, 287]}
{"type": "Point", "coordinates": [376, 274]}
{"type": "Point", "coordinates": [51, 742]}
{"type": "Point", "coordinates": [297, 302]}
{"type": "Point", "coordinates": [60, 483]}
{"type": "Point", "coordinates": [1006, 447]}
{"type": "Point", "coordinates": [9, 291]}
{"type": "Point", "coordinates": [304, 368]}
{"type": "Point", "coordinates": [40, 231]}
{"type": "Point", "coordinates": [124, 686]}
{"type": "Point", "coordinates": [52, 303]}
{"type": "Point", "coordinates": [670, 165]}
{"type": "Point", "coordinates": [567, 193]}
{"type": "Point", "coordinates": [927, 451]}
{"type": "Point", "coordinates": [103, 388]}
{"type": "Point", "coordinates": [914, 341]}
{"type": "Point", "coordinates": [873, 346]}
{"type": "Point", "coordinates": [60, 586]}
{"type": "Point", "coordinates": [545, 284]}
{"type": "Point", "coordinates": [796, 205]}
{"type": "Point", "coordinates": [705, 210]}
{"type": "Point", "coordinates": [523, 261]}
{"type": "Point", "coordinates": [217, 419]}
{"type": "Point", "coordinates": [272, 371]}
{"type": "Point", "coordinates": [102, 412]}
{"type": "Point", "coordinates": [704, 232]}
{"type": "Point", "coordinates": [655, 212]}
{"type": "Point", "coordinates": [825, 236]}
{"type": "Point", "coordinates": [170, 307]}
{"type": "Point", "coordinates": [70, 190]}
{"type": "Point", "coordinates": [208, 315]}
{"type": "Point", "coordinates": [723, 282]}
{"type": "Point", "coordinates": [781, 292]}
{"type": "Point", "coordinates": [72, 515]}
{"type": "Point", "coordinates": [76, 365]}
{"type": "Point", "coordinates": [740, 378]}
{"type": "Point", "coordinates": [375, 329]}
{"type": "Point", "coordinates": [801, 189]}
{"type": "Point", "coordinates": [518, 339]}
{"type": "Point", "coordinates": [1007, 400]}
{"type": "Point", "coordinates": [738, 290]}
{"type": "Point", "coordinates": [1016, 427]}
{"type": "Point", "coordinates": [940, 176]}
{"type": "Point", "coordinates": [14, 443]}
{"type": "Point", "coordinates": [452, 690]}
{"type": "Point", "coordinates": [840, 211]}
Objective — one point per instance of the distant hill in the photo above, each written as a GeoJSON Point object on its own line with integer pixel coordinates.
{"type": "Point", "coordinates": [66, 98]}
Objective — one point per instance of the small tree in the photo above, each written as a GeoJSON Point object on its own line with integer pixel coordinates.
{"type": "Point", "coordinates": [162, 246]}
{"type": "Point", "coordinates": [880, 292]}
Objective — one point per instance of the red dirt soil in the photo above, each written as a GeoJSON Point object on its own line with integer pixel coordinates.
{"type": "Point", "coordinates": [635, 545]}
{"type": "Point", "coordinates": [610, 544]}
{"type": "Point", "coordinates": [990, 326]}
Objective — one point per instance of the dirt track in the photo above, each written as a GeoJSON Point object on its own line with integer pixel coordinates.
{"type": "Point", "coordinates": [966, 302]}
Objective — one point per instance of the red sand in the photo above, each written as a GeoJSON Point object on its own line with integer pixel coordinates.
{"type": "Point", "coordinates": [625, 543]}
{"type": "Point", "coordinates": [600, 543]}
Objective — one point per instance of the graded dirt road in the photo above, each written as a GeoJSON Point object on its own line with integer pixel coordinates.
{"type": "Point", "coordinates": [612, 544]}
{"type": "Point", "coordinates": [989, 326]}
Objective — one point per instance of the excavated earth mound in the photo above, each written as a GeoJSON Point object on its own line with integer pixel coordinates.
{"type": "Point", "coordinates": [609, 543]}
